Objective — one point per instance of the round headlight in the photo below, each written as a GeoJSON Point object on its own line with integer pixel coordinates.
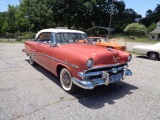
{"type": "Point", "coordinates": [89, 63]}
{"type": "Point", "coordinates": [129, 57]}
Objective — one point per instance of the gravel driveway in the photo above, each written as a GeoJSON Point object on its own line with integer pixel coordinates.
{"type": "Point", "coordinates": [33, 93]}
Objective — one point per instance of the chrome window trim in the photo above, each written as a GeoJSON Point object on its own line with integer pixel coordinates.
{"type": "Point", "coordinates": [52, 40]}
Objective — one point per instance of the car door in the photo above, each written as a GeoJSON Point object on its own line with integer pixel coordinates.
{"type": "Point", "coordinates": [44, 41]}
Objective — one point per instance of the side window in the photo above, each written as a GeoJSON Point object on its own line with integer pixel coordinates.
{"type": "Point", "coordinates": [45, 38]}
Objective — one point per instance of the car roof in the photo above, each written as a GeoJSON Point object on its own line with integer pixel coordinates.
{"type": "Point", "coordinates": [58, 31]}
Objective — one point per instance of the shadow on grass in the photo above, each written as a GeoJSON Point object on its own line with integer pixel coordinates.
{"type": "Point", "coordinates": [99, 96]}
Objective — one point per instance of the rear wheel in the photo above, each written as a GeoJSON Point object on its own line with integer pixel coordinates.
{"type": "Point", "coordinates": [31, 61]}
{"type": "Point", "coordinates": [66, 81]}
{"type": "Point", "coordinates": [153, 55]}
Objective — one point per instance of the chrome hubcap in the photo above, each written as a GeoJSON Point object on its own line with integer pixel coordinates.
{"type": "Point", "coordinates": [153, 55]}
{"type": "Point", "coordinates": [66, 79]}
{"type": "Point", "coordinates": [31, 60]}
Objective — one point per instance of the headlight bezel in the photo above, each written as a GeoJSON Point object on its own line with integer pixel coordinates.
{"type": "Point", "coordinates": [89, 63]}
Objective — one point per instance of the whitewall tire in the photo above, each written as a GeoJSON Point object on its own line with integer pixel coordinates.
{"type": "Point", "coordinates": [66, 81]}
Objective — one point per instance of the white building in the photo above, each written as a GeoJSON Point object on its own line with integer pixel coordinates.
{"type": "Point", "coordinates": [156, 32]}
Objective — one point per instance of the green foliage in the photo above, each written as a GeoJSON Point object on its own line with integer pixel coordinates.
{"type": "Point", "coordinates": [151, 27]}
{"type": "Point", "coordinates": [152, 16]}
{"type": "Point", "coordinates": [136, 29]}
{"type": "Point", "coordinates": [25, 35]}
{"type": "Point", "coordinates": [5, 27]}
{"type": "Point", "coordinates": [34, 15]}
{"type": "Point", "coordinates": [131, 37]}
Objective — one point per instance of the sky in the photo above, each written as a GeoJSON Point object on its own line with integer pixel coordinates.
{"type": "Point", "coordinates": [139, 6]}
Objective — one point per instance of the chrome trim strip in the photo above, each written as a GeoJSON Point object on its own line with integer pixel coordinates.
{"type": "Point", "coordinates": [89, 74]}
{"type": "Point", "coordinates": [101, 67]}
{"type": "Point", "coordinates": [55, 59]}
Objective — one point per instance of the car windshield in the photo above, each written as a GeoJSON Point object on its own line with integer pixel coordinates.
{"type": "Point", "coordinates": [104, 40]}
{"type": "Point", "coordinates": [65, 38]}
{"type": "Point", "coordinates": [97, 39]}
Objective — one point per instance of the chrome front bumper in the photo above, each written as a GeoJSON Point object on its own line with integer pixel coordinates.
{"type": "Point", "coordinates": [105, 79]}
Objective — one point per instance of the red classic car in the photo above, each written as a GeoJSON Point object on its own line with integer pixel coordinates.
{"type": "Point", "coordinates": [69, 55]}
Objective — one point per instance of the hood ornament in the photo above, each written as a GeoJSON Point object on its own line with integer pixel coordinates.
{"type": "Point", "coordinates": [115, 58]}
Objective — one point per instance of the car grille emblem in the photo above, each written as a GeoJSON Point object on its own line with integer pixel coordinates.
{"type": "Point", "coordinates": [114, 70]}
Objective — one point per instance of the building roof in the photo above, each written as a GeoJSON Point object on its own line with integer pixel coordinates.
{"type": "Point", "coordinates": [156, 30]}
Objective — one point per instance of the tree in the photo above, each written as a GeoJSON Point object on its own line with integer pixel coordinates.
{"type": "Point", "coordinates": [122, 17]}
{"type": "Point", "coordinates": [151, 16]}
{"type": "Point", "coordinates": [35, 15]}
{"type": "Point", "coordinates": [136, 29]}
{"type": "Point", "coordinates": [2, 19]}
{"type": "Point", "coordinates": [149, 13]}
{"type": "Point", "coordinates": [152, 27]}
{"type": "Point", "coordinates": [7, 20]}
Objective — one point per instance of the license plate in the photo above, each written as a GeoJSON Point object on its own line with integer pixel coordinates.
{"type": "Point", "coordinates": [115, 78]}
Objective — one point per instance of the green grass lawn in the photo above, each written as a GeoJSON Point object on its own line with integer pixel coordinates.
{"type": "Point", "coordinates": [1, 41]}
{"type": "Point", "coordinates": [136, 39]}
{"type": "Point", "coordinates": [142, 40]}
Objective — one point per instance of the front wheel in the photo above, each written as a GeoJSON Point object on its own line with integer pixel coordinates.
{"type": "Point", "coordinates": [66, 81]}
{"type": "Point", "coordinates": [153, 56]}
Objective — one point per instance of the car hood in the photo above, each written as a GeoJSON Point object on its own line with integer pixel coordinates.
{"type": "Point", "coordinates": [101, 55]}
{"type": "Point", "coordinates": [109, 44]}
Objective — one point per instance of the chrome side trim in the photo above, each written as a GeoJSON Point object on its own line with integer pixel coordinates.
{"type": "Point", "coordinates": [55, 59]}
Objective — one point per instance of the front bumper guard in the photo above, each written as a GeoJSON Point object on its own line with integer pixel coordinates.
{"type": "Point", "coordinates": [105, 80]}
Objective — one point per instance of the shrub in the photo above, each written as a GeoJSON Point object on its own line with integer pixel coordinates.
{"type": "Point", "coordinates": [132, 37]}
{"type": "Point", "coordinates": [25, 35]}
{"type": "Point", "coordinates": [136, 29]}
{"type": "Point", "coordinates": [151, 27]}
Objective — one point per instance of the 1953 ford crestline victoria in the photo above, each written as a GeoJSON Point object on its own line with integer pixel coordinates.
{"type": "Point", "coordinates": [69, 55]}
